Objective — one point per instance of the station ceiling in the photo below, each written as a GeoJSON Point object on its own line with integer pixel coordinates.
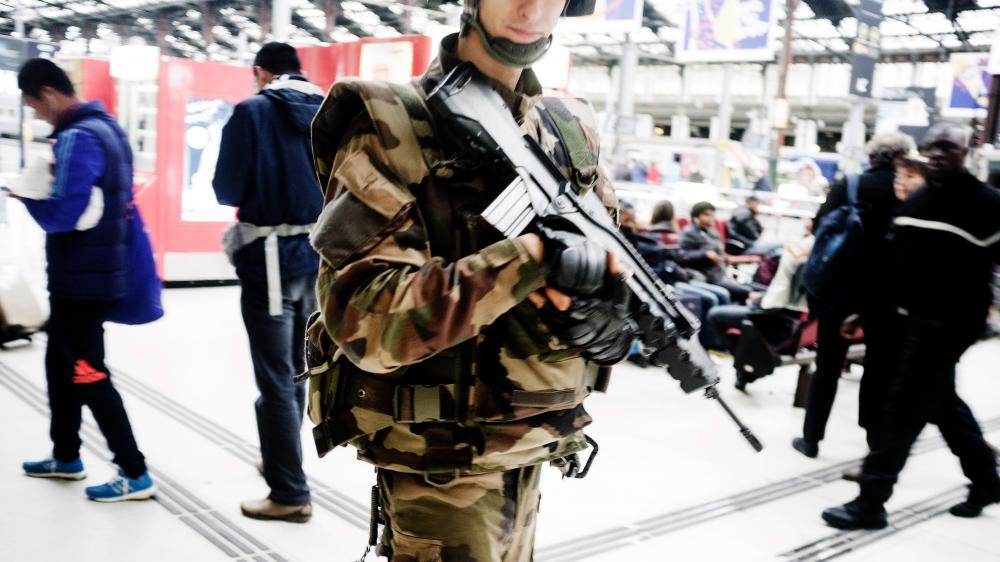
{"type": "Point", "coordinates": [223, 29]}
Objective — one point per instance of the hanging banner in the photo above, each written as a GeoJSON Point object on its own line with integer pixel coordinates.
{"type": "Point", "coordinates": [865, 47]}
{"type": "Point", "coordinates": [727, 31]}
{"type": "Point", "coordinates": [610, 16]}
{"type": "Point", "coordinates": [969, 90]}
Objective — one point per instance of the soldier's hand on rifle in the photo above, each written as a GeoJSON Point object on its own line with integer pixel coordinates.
{"type": "Point", "coordinates": [597, 324]}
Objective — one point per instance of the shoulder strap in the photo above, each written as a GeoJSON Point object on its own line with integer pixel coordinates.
{"type": "Point", "coordinates": [852, 189]}
{"type": "Point", "coordinates": [561, 121]}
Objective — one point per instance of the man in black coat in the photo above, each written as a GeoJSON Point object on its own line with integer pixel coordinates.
{"type": "Point", "coordinates": [939, 312]}
{"type": "Point", "coordinates": [743, 231]}
{"type": "Point", "coordinates": [878, 203]}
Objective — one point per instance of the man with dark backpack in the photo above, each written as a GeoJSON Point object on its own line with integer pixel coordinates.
{"type": "Point", "coordinates": [850, 244]}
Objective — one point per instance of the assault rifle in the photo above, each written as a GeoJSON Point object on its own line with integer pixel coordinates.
{"type": "Point", "coordinates": [474, 113]}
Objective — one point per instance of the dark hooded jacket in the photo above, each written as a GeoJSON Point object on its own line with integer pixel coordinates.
{"type": "Point", "coordinates": [265, 168]}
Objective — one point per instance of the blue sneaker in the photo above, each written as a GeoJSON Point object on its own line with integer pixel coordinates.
{"type": "Point", "coordinates": [51, 468]}
{"type": "Point", "coordinates": [123, 488]}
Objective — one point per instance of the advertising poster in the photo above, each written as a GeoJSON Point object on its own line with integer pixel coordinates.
{"type": "Point", "coordinates": [968, 93]}
{"type": "Point", "coordinates": [727, 31]}
{"type": "Point", "coordinates": [610, 16]}
{"type": "Point", "coordinates": [203, 122]}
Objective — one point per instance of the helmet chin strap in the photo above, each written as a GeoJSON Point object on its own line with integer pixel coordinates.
{"type": "Point", "coordinates": [504, 50]}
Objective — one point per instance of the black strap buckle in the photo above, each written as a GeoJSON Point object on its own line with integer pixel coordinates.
{"type": "Point", "coordinates": [570, 466]}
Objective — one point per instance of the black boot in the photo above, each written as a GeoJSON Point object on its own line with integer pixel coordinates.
{"type": "Point", "coordinates": [974, 504]}
{"type": "Point", "coordinates": [855, 515]}
{"type": "Point", "coordinates": [806, 447]}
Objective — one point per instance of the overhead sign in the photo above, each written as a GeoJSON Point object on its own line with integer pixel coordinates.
{"type": "Point", "coordinates": [969, 90]}
{"type": "Point", "coordinates": [865, 49]}
{"type": "Point", "coordinates": [610, 16]}
{"type": "Point", "coordinates": [727, 31]}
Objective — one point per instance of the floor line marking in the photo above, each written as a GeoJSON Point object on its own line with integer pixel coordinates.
{"type": "Point", "coordinates": [592, 544]}
{"type": "Point", "coordinates": [223, 539]}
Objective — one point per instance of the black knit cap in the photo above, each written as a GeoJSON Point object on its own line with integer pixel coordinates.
{"type": "Point", "coordinates": [278, 58]}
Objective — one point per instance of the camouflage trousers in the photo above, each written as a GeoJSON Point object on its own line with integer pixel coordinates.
{"type": "Point", "coordinates": [480, 518]}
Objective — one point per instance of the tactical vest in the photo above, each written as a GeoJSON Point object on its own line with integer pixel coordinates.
{"type": "Point", "coordinates": [443, 396]}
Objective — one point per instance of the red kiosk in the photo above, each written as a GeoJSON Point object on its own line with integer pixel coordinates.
{"type": "Point", "coordinates": [193, 101]}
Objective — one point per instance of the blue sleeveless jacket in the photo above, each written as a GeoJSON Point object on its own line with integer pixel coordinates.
{"type": "Point", "coordinates": [91, 150]}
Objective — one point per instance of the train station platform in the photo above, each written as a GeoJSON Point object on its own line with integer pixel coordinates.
{"type": "Point", "coordinates": [673, 480]}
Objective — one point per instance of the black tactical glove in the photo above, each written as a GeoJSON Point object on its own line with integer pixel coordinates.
{"type": "Point", "coordinates": [599, 326]}
{"type": "Point", "coordinates": [572, 263]}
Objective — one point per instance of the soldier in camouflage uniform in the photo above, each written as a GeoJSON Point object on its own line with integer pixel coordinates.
{"type": "Point", "coordinates": [429, 354]}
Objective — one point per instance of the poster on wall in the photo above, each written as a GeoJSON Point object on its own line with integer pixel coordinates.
{"type": "Point", "coordinates": [610, 16]}
{"type": "Point", "coordinates": [727, 31]}
{"type": "Point", "coordinates": [203, 122]}
{"type": "Point", "coordinates": [969, 89]}
{"type": "Point", "coordinates": [387, 62]}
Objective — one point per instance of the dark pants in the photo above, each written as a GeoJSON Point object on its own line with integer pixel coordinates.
{"type": "Point", "coordinates": [882, 342]}
{"type": "Point", "coordinates": [831, 352]}
{"type": "Point", "coordinates": [77, 375]}
{"type": "Point", "coordinates": [737, 291]}
{"type": "Point", "coordinates": [276, 347]}
{"type": "Point", "coordinates": [922, 391]}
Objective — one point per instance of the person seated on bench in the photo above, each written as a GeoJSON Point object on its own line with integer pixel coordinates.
{"type": "Point", "coordinates": [784, 297]}
{"type": "Point", "coordinates": [663, 224]}
{"type": "Point", "coordinates": [743, 231]}
{"type": "Point", "coordinates": [661, 257]}
{"type": "Point", "coordinates": [701, 250]}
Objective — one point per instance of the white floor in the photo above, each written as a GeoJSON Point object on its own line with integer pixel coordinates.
{"type": "Point", "coordinates": [673, 481]}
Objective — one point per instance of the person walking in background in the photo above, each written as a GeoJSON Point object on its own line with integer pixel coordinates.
{"type": "Point", "coordinates": [86, 246]}
{"type": "Point", "coordinates": [265, 168]}
{"type": "Point", "coordinates": [877, 202]}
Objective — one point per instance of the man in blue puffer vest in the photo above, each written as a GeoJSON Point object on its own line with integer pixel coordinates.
{"type": "Point", "coordinates": [87, 271]}
{"type": "Point", "coordinates": [265, 168]}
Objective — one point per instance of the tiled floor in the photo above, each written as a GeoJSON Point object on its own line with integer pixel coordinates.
{"type": "Point", "coordinates": [673, 481]}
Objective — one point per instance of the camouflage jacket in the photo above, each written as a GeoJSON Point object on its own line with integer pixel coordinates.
{"type": "Point", "coordinates": [419, 298]}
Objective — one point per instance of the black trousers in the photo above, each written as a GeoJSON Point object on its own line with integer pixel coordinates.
{"type": "Point", "coordinates": [276, 348]}
{"type": "Point", "coordinates": [882, 343]}
{"type": "Point", "coordinates": [922, 391]}
{"type": "Point", "coordinates": [77, 375]}
{"type": "Point", "coordinates": [831, 353]}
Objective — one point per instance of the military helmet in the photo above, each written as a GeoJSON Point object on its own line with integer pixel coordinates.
{"type": "Point", "coordinates": [508, 52]}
